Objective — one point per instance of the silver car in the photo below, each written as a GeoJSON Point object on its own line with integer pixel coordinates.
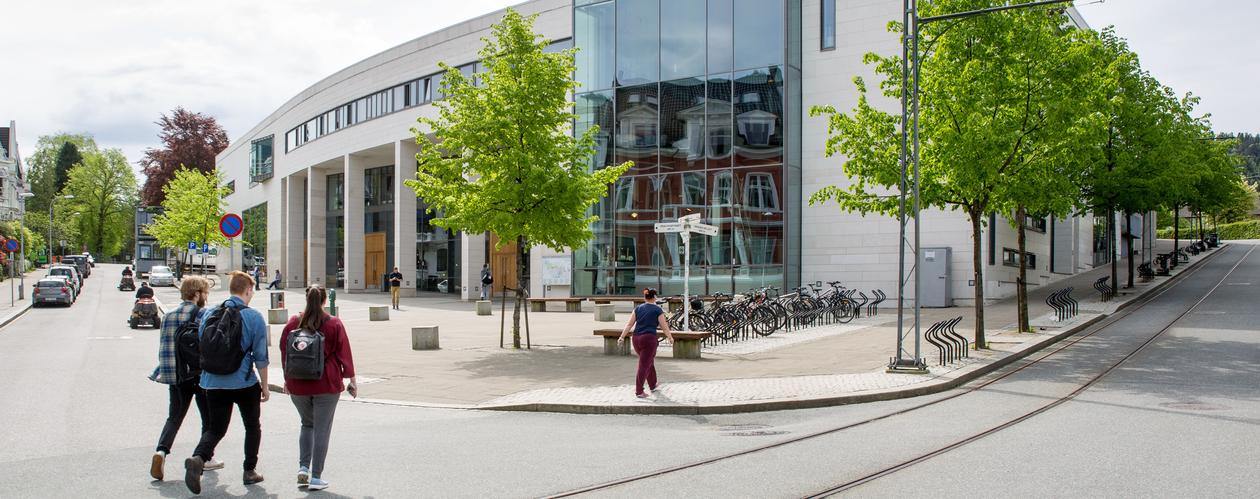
{"type": "Point", "coordinates": [161, 275]}
{"type": "Point", "coordinates": [52, 290]}
{"type": "Point", "coordinates": [69, 272]}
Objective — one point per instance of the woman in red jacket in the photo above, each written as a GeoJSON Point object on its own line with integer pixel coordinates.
{"type": "Point", "coordinates": [316, 400]}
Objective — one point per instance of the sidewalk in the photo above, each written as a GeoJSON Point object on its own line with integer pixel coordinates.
{"type": "Point", "coordinates": [10, 306]}
{"type": "Point", "coordinates": [567, 371]}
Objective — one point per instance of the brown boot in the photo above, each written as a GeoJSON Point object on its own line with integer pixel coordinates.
{"type": "Point", "coordinates": [252, 477]}
{"type": "Point", "coordinates": [192, 473]}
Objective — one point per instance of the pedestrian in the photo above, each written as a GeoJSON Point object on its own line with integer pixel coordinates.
{"type": "Point", "coordinates": [486, 281]}
{"type": "Point", "coordinates": [258, 275]}
{"type": "Point", "coordinates": [275, 284]}
{"type": "Point", "coordinates": [182, 376]}
{"type": "Point", "coordinates": [644, 321]}
{"type": "Point", "coordinates": [315, 389]}
{"type": "Point", "coordinates": [233, 342]}
{"type": "Point", "coordinates": [395, 286]}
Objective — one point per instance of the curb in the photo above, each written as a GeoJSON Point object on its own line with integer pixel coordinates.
{"type": "Point", "coordinates": [15, 315]}
{"type": "Point", "coordinates": [963, 376]}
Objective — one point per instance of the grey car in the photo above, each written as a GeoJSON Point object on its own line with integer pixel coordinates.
{"type": "Point", "coordinates": [52, 291]}
{"type": "Point", "coordinates": [161, 275]}
{"type": "Point", "coordinates": [70, 272]}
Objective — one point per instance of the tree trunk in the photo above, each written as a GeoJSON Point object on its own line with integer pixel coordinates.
{"type": "Point", "coordinates": [1111, 244]}
{"type": "Point", "coordinates": [1128, 244]}
{"type": "Point", "coordinates": [977, 274]}
{"type": "Point", "coordinates": [1176, 229]}
{"type": "Point", "coordinates": [1021, 284]}
{"type": "Point", "coordinates": [1202, 236]}
{"type": "Point", "coordinates": [520, 293]}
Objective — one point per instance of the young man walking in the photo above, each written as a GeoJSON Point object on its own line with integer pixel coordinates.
{"type": "Point", "coordinates": [395, 286]}
{"type": "Point", "coordinates": [183, 379]}
{"type": "Point", "coordinates": [244, 388]}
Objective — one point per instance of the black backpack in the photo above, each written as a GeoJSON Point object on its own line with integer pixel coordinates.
{"type": "Point", "coordinates": [304, 355]}
{"type": "Point", "coordinates": [187, 351]}
{"type": "Point", "coordinates": [220, 344]}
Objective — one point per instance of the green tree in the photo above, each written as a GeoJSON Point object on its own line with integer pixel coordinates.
{"type": "Point", "coordinates": [34, 241]}
{"type": "Point", "coordinates": [502, 158]}
{"type": "Point", "coordinates": [192, 205]}
{"type": "Point", "coordinates": [67, 158]}
{"type": "Point", "coordinates": [104, 189]}
{"type": "Point", "coordinates": [42, 167]}
{"type": "Point", "coordinates": [992, 108]}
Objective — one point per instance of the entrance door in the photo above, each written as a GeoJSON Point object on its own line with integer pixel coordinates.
{"type": "Point", "coordinates": [503, 266]}
{"type": "Point", "coordinates": [374, 259]}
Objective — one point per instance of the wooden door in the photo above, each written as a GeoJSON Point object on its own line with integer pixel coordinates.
{"type": "Point", "coordinates": [373, 258]}
{"type": "Point", "coordinates": [503, 264]}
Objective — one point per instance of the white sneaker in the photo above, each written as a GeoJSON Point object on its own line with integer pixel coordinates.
{"type": "Point", "coordinates": [213, 464]}
{"type": "Point", "coordinates": [304, 476]}
{"type": "Point", "coordinates": [317, 484]}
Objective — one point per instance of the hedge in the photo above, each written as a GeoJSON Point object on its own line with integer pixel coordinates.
{"type": "Point", "coordinates": [1249, 229]}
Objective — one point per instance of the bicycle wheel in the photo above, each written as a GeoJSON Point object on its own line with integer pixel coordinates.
{"type": "Point", "coordinates": [763, 321]}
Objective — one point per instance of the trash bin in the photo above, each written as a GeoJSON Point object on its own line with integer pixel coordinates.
{"type": "Point", "coordinates": [277, 299]}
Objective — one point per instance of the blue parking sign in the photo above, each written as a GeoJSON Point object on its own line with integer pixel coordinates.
{"type": "Point", "coordinates": [192, 245]}
{"type": "Point", "coordinates": [205, 248]}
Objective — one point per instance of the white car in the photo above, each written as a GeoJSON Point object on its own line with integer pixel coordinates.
{"type": "Point", "coordinates": [161, 275]}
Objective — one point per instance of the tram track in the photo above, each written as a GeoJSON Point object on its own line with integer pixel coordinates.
{"type": "Point", "coordinates": [988, 380]}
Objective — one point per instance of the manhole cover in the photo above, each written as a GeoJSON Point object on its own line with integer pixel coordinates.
{"type": "Point", "coordinates": [742, 427]}
{"type": "Point", "coordinates": [1192, 406]}
{"type": "Point", "coordinates": [757, 433]}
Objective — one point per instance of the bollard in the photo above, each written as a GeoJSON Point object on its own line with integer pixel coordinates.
{"type": "Point", "coordinates": [277, 316]}
{"type": "Point", "coordinates": [378, 313]}
{"type": "Point", "coordinates": [483, 307]}
{"type": "Point", "coordinates": [605, 312]}
{"type": "Point", "coordinates": [424, 338]}
{"type": "Point", "coordinates": [332, 303]}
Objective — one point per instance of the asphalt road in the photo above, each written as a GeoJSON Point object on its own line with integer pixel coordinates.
{"type": "Point", "coordinates": [1179, 419]}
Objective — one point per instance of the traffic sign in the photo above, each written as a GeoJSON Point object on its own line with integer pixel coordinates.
{"type": "Point", "coordinates": [205, 247]}
{"type": "Point", "coordinates": [231, 225]}
{"type": "Point", "coordinates": [669, 227]}
{"type": "Point", "coordinates": [11, 245]}
{"type": "Point", "coordinates": [694, 217]}
{"type": "Point", "coordinates": [192, 245]}
{"type": "Point", "coordinates": [708, 230]}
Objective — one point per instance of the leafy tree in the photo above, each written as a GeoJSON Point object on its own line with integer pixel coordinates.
{"type": "Point", "coordinates": [502, 158]}
{"type": "Point", "coordinates": [104, 189]}
{"type": "Point", "coordinates": [34, 241]}
{"type": "Point", "coordinates": [67, 158]}
{"type": "Point", "coordinates": [189, 140]}
{"type": "Point", "coordinates": [42, 167]}
{"type": "Point", "coordinates": [992, 108]}
{"type": "Point", "coordinates": [1247, 147]}
{"type": "Point", "coordinates": [191, 208]}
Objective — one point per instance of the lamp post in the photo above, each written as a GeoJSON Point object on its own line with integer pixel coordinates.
{"type": "Point", "coordinates": [51, 206]}
{"type": "Point", "coordinates": [22, 241]}
{"type": "Point", "coordinates": [909, 182]}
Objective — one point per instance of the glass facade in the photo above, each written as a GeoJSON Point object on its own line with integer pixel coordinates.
{"type": "Point", "coordinates": [699, 94]}
{"type": "Point", "coordinates": [260, 159]}
{"type": "Point", "coordinates": [335, 230]}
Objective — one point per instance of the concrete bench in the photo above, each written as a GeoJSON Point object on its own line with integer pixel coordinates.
{"type": "Point", "coordinates": [540, 304]}
{"type": "Point", "coordinates": [378, 313]}
{"type": "Point", "coordinates": [603, 301]}
{"type": "Point", "coordinates": [424, 338]}
{"type": "Point", "coordinates": [686, 345]}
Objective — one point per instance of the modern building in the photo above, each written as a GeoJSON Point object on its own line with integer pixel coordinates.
{"type": "Point", "coordinates": [709, 98]}
{"type": "Point", "coordinates": [12, 174]}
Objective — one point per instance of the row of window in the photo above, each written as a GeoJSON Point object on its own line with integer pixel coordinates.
{"type": "Point", "coordinates": [410, 94]}
{"type": "Point", "coordinates": [1010, 258]}
{"type": "Point", "coordinates": [261, 159]}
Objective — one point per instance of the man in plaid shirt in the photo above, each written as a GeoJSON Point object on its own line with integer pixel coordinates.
{"type": "Point", "coordinates": [183, 390]}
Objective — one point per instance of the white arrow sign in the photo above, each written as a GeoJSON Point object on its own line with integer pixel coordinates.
{"type": "Point", "coordinates": [669, 227]}
{"type": "Point", "coordinates": [708, 230]}
{"type": "Point", "coordinates": [694, 217]}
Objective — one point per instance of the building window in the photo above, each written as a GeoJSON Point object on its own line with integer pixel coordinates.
{"type": "Point", "coordinates": [260, 159]}
{"type": "Point", "coordinates": [230, 186]}
{"type": "Point", "coordinates": [1010, 258]}
{"type": "Point", "coordinates": [760, 192]}
{"type": "Point", "coordinates": [828, 30]}
{"type": "Point", "coordinates": [722, 189]}
{"type": "Point", "coordinates": [1037, 224]}
{"type": "Point", "coordinates": [693, 189]}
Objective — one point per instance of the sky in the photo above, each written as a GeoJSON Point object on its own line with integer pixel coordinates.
{"type": "Point", "coordinates": [112, 69]}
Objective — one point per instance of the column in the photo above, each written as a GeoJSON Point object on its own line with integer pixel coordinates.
{"type": "Point", "coordinates": [472, 255]}
{"type": "Point", "coordinates": [294, 240]}
{"type": "Point", "coordinates": [316, 227]}
{"type": "Point", "coordinates": [405, 214]}
{"type": "Point", "coordinates": [353, 209]}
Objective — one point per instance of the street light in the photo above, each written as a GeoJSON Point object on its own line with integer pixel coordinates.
{"type": "Point", "coordinates": [22, 241]}
{"type": "Point", "coordinates": [51, 206]}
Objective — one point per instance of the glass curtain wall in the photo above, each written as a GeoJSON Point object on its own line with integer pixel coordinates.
{"type": "Point", "coordinates": [335, 230]}
{"type": "Point", "coordinates": [437, 253]}
{"type": "Point", "coordinates": [701, 99]}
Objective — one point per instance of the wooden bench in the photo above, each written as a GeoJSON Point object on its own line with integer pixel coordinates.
{"type": "Point", "coordinates": [686, 345]}
{"type": "Point", "coordinates": [603, 301]}
{"type": "Point", "coordinates": [540, 304]}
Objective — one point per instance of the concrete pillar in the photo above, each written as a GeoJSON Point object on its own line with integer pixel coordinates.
{"type": "Point", "coordinates": [353, 209]}
{"type": "Point", "coordinates": [405, 214]}
{"type": "Point", "coordinates": [294, 268]}
{"type": "Point", "coordinates": [316, 226]}
{"type": "Point", "coordinates": [275, 228]}
{"type": "Point", "coordinates": [378, 313]}
{"type": "Point", "coordinates": [424, 338]}
{"type": "Point", "coordinates": [484, 307]}
{"type": "Point", "coordinates": [471, 255]}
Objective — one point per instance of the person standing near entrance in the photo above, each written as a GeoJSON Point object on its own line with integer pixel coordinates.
{"type": "Point", "coordinates": [180, 374]}
{"type": "Point", "coordinates": [395, 286]}
{"type": "Point", "coordinates": [258, 275]}
{"type": "Point", "coordinates": [316, 356]}
{"type": "Point", "coordinates": [275, 284]}
{"type": "Point", "coordinates": [486, 281]}
{"type": "Point", "coordinates": [644, 321]}
{"type": "Point", "coordinates": [233, 342]}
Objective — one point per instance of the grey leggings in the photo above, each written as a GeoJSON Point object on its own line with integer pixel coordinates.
{"type": "Point", "coordinates": [316, 412]}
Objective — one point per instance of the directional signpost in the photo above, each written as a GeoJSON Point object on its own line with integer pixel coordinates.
{"type": "Point", "coordinates": [684, 227]}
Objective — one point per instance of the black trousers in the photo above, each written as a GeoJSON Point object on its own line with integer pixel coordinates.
{"type": "Point", "coordinates": [220, 404]}
{"type": "Point", "coordinates": [182, 395]}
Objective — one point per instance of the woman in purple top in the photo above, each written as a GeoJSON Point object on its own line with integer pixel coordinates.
{"type": "Point", "coordinates": [644, 321]}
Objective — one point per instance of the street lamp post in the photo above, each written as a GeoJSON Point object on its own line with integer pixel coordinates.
{"type": "Point", "coordinates": [22, 241]}
{"type": "Point", "coordinates": [51, 205]}
{"type": "Point", "coordinates": [910, 63]}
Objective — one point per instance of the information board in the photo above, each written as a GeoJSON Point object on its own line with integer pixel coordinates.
{"type": "Point", "coordinates": [557, 270]}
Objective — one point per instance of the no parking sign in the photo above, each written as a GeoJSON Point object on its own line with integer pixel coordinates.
{"type": "Point", "coordinates": [11, 246]}
{"type": "Point", "coordinates": [231, 225]}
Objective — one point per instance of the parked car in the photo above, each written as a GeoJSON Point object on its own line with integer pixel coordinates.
{"type": "Point", "coordinates": [70, 272]}
{"type": "Point", "coordinates": [91, 259]}
{"type": "Point", "coordinates": [68, 282]}
{"type": "Point", "coordinates": [52, 290]}
{"type": "Point", "coordinates": [80, 262]}
{"type": "Point", "coordinates": [161, 275]}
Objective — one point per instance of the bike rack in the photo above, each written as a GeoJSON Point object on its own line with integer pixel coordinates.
{"type": "Point", "coordinates": [963, 344]}
{"type": "Point", "coordinates": [1102, 287]}
{"type": "Point", "coordinates": [930, 336]}
{"type": "Point", "coordinates": [857, 309]}
{"type": "Point", "coordinates": [1065, 307]}
{"type": "Point", "coordinates": [873, 308]}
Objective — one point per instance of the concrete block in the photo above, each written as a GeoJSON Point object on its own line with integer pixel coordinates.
{"type": "Point", "coordinates": [612, 348]}
{"type": "Point", "coordinates": [277, 316]}
{"type": "Point", "coordinates": [483, 307]}
{"type": "Point", "coordinates": [606, 313]}
{"type": "Point", "coordinates": [424, 338]}
{"type": "Point", "coordinates": [378, 313]}
{"type": "Point", "coordinates": [686, 349]}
